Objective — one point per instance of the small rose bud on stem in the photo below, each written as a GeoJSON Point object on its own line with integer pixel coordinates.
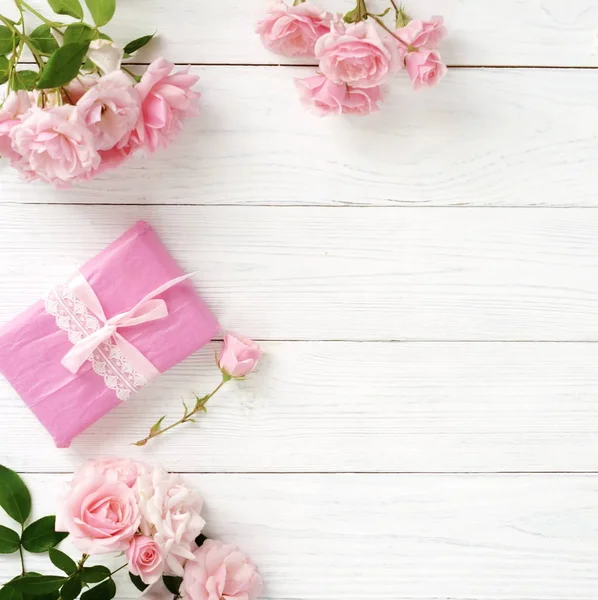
{"type": "Point", "coordinates": [237, 358]}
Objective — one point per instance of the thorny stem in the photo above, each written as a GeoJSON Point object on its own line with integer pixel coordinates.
{"type": "Point", "coordinates": [199, 407]}
{"type": "Point", "coordinates": [24, 38]}
{"type": "Point", "coordinates": [22, 4]}
{"type": "Point", "coordinates": [387, 29]}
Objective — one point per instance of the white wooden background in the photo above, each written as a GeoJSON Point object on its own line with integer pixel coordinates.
{"type": "Point", "coordinates": [424, 283]}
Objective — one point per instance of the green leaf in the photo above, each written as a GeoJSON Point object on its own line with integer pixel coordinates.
{"type": "Point", "coordinates": [104, 591]}
{"type": "Point", "coordinates": [14, 495]}
{"type": "Point", "coordinates": [4, 66]}
{"type": "Point", "coordinates": [13, 594]}
{"type": "Point", "coordinates": [71, 589]}
{"type": "Point", "coordinates": [138, 583]}
{"type": "Point", "coordinates": [101, 10]}
{"type": "Point", "coordinates": [173, 584]}
{"type": "Point", "coordinates": [24, 80]}
{"type": "Point", "coordinates": [352, 16]}
{"type": "Point", "coordinates": [139, 43]}
{"type": "Point", "coordinates": [63, 562]}
{"type": "Point", "coordinates": [38, 585]}
{"type": "Point", "coordinates": [72, 8]}
{"type": "Point", "coordinates": [41, 535]}
{"type": "Point", "coordinates": [103, 36]}
{"type": "Point", "coordinates": [63, 66]}
{"type": "Point", "coordinates": [43, 39]}
{"type": "Point", "coordinates": [9, 593]}
{"type": "Point", "coordinates": [156, 427]}
{"type": "Point", "coordinates": [78, 33]}
{"type": "Point", "coordinates": [7, 44]}
{"type": "Point", "coordinates": [9, 540]}
{"type": "Point", "coordinates": [95, 574]}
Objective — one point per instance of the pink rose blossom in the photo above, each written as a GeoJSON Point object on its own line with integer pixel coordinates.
{"type": "Point", "coordinates": [327, 98]}
{"type": "Point", "coordinates": [54, 145]}
{"type": "Point", "coordinates": [110, 109]}
{"type": "Point", "coordinates": [294, 30]}
{"type": "Point", "coordinates": [75, 90]}
{"type": "Point", "coordinates": [238, 356]}
{"type": "Point", "coordinates": [360, 55]}
{"type": "Point", "coordinates": [115, 469]}
{"type": "Point", "coordinates": [220, 571]}
{"type": "Point", "coordinates": [425, 67]}
{"type": "Point", "coordinates": [170, 515]}
{"type": "Point", "coordinates": [13, 108]}
{"type": "Point", "coordinates": [423, 34]}
{"type": "Point", "coordinates": [100, 514]}
{"type": "Point", "coordinates": [145, 559]}
{"type": "Point", "coordinates": [166, 99]}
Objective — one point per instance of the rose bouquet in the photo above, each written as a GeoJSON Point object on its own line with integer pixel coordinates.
{"type": "Point", "coordinates": [80, 112]}
{"type": "Point", "coordinates": [357, 52]}
{"type": "Point", "coordinates": [127, 507]}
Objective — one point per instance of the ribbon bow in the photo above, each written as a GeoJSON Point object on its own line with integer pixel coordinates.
{"type": "Point", "coordinates": [146, 310]}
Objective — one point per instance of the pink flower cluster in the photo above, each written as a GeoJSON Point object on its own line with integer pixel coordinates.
{"type": "Point", "coordinates": [95, 123]}
{"type": "Point", "coordinates": [117, 505]}
{"type": "Point", "coordinates": [355, 59]}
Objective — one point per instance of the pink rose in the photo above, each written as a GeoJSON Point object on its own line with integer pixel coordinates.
{"type": "Point", "coordinates": [145, 559]}
{"type": "Point", "coordinates": [170, 515]}
{"type": "Point", "coordinates": [110, 109]}
{"type": "Point", "coordinates": [425, 68]}
{"type": "Point", "coordinates": [423, 34]}
{"type": "Point", "coordinates": [13, 108]}
{"type": "Point", "coordinates": [54, 145]}
{"type": "Point", "coordinates": [100, 514]}
{"type": "Point", "coordinates": [327, 98]}
{"type": "Point", "coordinates": [166, 99]}
{"type": "Point", "coordinates": [238, 356]}
{"type": "Point", "coordinates": [75, 90]}
{"type": "Point", "coordinates": [220, 571]}
{"type": "Point", "coordinates": [294, 30]}
{"type": "Point", "coordinates": [114, 469]}
{"type": "Point", "coordinates": [358, 55]}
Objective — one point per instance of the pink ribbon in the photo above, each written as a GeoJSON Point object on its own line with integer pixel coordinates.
{"type": "Point", "coordinates": [146, 310]}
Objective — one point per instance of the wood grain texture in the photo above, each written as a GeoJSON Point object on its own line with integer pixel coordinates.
{"type": "Point", "coordinates": [343, 407]}
{"type": "Point", "coordinates": [370, 537]}
{"type": "Point", "coordinates": [341, 273]}
{"type": "Point", "coordinates": [514, 33]}
{"type": "Point", "coordinates": [483, 138]}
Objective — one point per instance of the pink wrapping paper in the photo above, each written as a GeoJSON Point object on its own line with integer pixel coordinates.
{"type": "Point", "coordinates": [32, 345]}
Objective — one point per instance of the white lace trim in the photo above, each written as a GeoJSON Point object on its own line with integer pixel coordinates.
{"type": "Point", "coordinates": [107, 360]}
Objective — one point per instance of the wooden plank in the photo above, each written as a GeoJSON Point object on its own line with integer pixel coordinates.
{"type": "Point", "coordinates": [331, 407]}
{"type": "Point", "coordinates": [485, 138]}
{"type": "Point", "coordinates": [341, 273]}
{"type": "Point", "coordinates": [517, 33]}
{"type": "Point", "coordinates": [370, 537]}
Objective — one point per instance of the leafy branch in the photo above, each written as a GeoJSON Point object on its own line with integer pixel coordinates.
{"type": "Point", "coordinates": [59, 49]}
{"type": "Point", "coordinates": [41, 537]}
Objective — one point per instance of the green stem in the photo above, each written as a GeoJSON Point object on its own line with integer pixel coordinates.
{"type": "Point", "coordinates": [188, 416]}
{"type": "Point", "coordinates": [119, 569]}
{"type": "Point", "coordinates": [24, 38]}
{"type": "Point", "coordinates": [23, 4]}
{"type": "Point", "coordinates": [21, 552]}
{"type": "Point", "coordinates": [387, 29]}
{"type": "Point", "coordinates": [82, 561]}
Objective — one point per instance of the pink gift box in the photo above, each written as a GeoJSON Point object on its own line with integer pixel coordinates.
{"type": "Point", "coordinates": [33, 346]}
